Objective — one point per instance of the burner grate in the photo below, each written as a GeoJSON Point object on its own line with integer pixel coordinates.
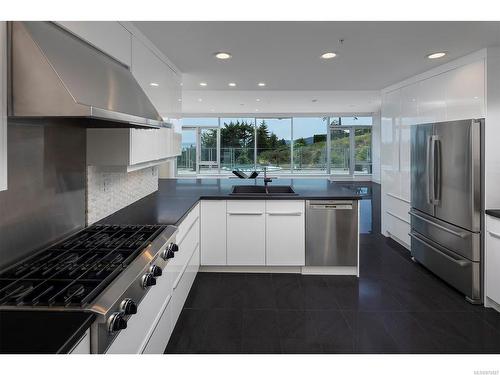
{"type": "Point", "coordinates": [76, 270]}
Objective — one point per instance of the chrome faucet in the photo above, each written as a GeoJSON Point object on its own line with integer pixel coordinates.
{"type": "Point", "coordinates": [266, 179]}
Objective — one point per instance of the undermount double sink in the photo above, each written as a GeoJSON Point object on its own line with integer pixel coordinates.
{"type": "Point", "coordinates": [263, 190]}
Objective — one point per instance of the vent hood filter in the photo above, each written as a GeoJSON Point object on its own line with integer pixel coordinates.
{"type": "Point", "coordinates": [55, 74]}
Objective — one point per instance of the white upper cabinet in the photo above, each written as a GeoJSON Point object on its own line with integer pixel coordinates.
{"type": "Point", "coordinates": [3, 105]}
{"type": "Point", "coordinates": [432, 99]}
{"type": "Point", "coordinates": [108, 36]}
{"type": "Point", "coordinates": [409, 105]}
{"type": "Point", "coordinates": [160, 83]}
{"type": "Point", "coordinates": [465, 92]}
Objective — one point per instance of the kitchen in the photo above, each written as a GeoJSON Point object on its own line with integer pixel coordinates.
{"type": "Point", "coordinates": [163, 192]}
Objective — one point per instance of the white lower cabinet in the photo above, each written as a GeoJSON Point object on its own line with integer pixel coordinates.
{"type": "Point", "coordinates": [162, 331]}
{"type": "Point", "coordinates": [285, 233]}
{"type": "Point", "coordinates": [246, 228]}
{"type": "Point", "coordinates": [83, 345]}
{"type": "Point", "coordinates": [213, 233]}
{"type": "Point", "coordinates": [492, 262]}
{"type": "Point", "coordinates": [149, 330]}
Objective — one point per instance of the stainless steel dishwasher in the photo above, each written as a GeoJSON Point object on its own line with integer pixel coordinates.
{"type": "Point", "coordinates": [332, 233]}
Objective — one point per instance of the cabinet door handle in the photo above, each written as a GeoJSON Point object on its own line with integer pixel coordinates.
{"type": "Point", "coordinates": [493, 234]}
{"type": "Point", "coordinates": [284, 213]}
{"type": "Point", "coordinates": [245, 213]}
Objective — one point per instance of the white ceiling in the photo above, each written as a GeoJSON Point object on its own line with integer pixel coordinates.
{"type": "Point", "coordinates": [285, 55]}
{"type": "Point", "coordinates": [258, 102]}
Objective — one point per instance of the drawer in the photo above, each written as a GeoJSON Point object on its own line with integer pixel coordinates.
{"type": "Point", "coordinates": [461, 241]}
{"type": "Point", "coordinates": [162, 330]}
{"type": "Point", "coordinates": [398, 228]}
{"type": "Point", "coordinates": [397, 207]}
{"type": "Point", "coordinates": [285, 207]}
{"type": "Point", "coordinates": [458, 271]}
{"type": "Point", "coordinates": [183, 285]}
{"type": "Point", "coordinates": [187, 245]}
{"type": "Point", "coordinates": [187, 222]}
{"type": "Point", "coordinates": [247, 206]}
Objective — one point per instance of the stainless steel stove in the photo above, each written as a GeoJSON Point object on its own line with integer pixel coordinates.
{"type": "Point", "coordinates": [106, 269]}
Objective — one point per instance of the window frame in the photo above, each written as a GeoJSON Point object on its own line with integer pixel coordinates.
{"type": "Point", "coordinates": [290, 172]}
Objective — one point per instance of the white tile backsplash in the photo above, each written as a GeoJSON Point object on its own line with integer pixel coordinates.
{"type": "Point", "coordinates": [108, 192]}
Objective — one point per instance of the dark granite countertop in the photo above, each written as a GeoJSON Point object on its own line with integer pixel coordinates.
{"type": "Point", "coordinates": [175, 197]}
{"type": "Point", "coordinates": [41, 332]}
{"type": "Point", "coordinates": [495, 213]}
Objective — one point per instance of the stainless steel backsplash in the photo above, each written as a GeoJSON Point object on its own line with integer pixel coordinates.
{"type": "Point", "coordinates": [45, 200]}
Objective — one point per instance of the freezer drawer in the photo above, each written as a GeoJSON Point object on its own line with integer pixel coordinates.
{"type": "Point", "coordinates": [331, 233]}
{"type": "Point", "coordinates": [459, 240]}
{"type": "Point", "coordinates": [459, 272]}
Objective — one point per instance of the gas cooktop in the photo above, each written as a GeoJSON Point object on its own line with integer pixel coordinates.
{"type": "Point", "coordinates": [73, 272]}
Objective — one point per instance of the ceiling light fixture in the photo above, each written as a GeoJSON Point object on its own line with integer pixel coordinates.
{"type": "Point", "coordinates": [200, 100]}
{"type": "Point", "coordinates": [222, 55]}
{"type": "Point", "coordinates": [231, 84]}
{"type": "Point", "coordinates": [256, 110]}
{"type": "Point", "coordinates": [436, 55]}
{"type": "Point", "coordinates": [328, 55]}
{"type": "Point", "coordinates": [203, 84]}
{"type": "Point", "coordinates": [257, 100]}
{"type": "Point", "coordinates": [154, 84]}
{"type": "Point", "coordinates": [261, 84]}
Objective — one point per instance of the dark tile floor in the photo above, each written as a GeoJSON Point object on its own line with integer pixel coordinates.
{"type": "Point", "coordinates": [395, 306]}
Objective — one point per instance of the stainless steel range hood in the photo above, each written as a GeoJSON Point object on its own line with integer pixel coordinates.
{"type": "Point", "coordinates": [55, 74]}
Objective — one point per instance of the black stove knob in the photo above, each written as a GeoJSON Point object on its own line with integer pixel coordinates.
{"type": "Point", "coordinates": [167, 253]}
{"type": "Point", "coordinates": [148, 280]}
{"type": "Point", "coordinates": [117, 322]}
{"type": "Point", "coordinates": [128, 306]}
{"type": "Point", "coordinates": [174, 247]}
{"type": "Point", "coordinates": [155, 270]}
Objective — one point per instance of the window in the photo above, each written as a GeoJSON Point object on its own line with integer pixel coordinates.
{"type": "Point", "coordinates": [237, 137]}
{"type": "Point", "coordinates": [363, 150]}
{"type": "Point", "coordinates": [186, 161]}
{"type": "Point", "coordinates": [310, 145]}
{"type": "Point", "coordinates": [340, 155]}
{"type": "Point", "coordinates": [299, 145]}
{"type": "Point", "coordinates": [274, 137]}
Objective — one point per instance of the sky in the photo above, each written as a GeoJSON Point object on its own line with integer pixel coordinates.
{"type": "Point", "coordinates": [303, 127]}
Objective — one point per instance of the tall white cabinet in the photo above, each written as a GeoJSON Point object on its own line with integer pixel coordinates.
{"type": "Point", "coordinates": [3, 105]}
{"type": "Point", "coordinates": [451, 92]}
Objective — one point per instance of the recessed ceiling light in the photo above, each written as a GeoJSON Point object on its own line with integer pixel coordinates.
{"type": "Point", "coordinates": [328, 55]}
{"type": "Point", "coordinates": [203, 84]}
{"type": "Point", "coordinates": [212, 110]}
{"type": "Point", "coordinates": [180, 100]}
{"type": "Point", "coordinates": [257, 100]}
{"type": "Point", "coordinates": [261, 84]}
{"type": "Point", "coordinates": [256, 110]}
{"type": "Point", "coordinates": [200, 99]}
{"type": "Point", "coordinates": [223, 55]}
{"type": "Point", "coordinates": [232, 84]}
{"type": "Point", "coordinates": [154, 84]}
{"type": "Point", "coordinates": [436, 55]}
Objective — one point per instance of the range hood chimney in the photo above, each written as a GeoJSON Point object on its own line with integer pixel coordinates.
{"type": "Point", "coordinates": [55, 74]}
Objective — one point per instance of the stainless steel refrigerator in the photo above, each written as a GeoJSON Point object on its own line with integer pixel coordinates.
{"type": "Point", "coordinates": [447, 201]}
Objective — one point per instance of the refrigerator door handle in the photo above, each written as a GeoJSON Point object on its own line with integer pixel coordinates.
{"type": "Point", "coordinates": [458, 234]}
{"type": "Point", "coordinates": [437, 170]}
{"type": "Point", "coordinates": [429, 179]}
{"type": "Point", "coordinates": [460, 262]}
